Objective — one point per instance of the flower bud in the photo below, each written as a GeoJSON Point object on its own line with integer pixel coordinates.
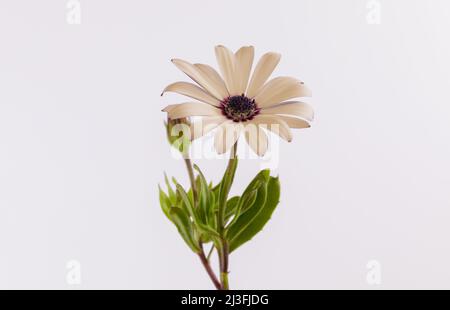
{"type": "Point", "coordinates": [179, 134]}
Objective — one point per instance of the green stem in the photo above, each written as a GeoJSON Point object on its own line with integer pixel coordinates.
{"type": "Point", "coordinates": [210, 252]}
{"type": "Point", "coordinates": [190, 170]}
{"type": "Point", "coordinates": [224, 281]}
{"type": "Point", "coordinates": [224, 251]}
{"type": "Point", "coordinates": [208, 269]}
{"type": "Point", "coordinates": [229, 173]}
{"type": "Point", "coordinates": [224, 265]}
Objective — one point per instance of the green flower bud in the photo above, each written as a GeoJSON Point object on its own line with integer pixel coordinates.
{"type": "Point", "coordinates": [179, 134]}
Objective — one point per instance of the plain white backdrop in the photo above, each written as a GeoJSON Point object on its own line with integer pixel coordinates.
{"type": "Point", "coordinates": [82, 145]}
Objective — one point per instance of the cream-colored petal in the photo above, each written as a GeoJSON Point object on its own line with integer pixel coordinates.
{"type": "Point", "coordinates": [215, 79]}
{"type": "Point", "coordinates": [227, 63]}
{"type": "Point", "coordinates": [291, 108]}
{"type": "Point", "coordinates": [262, 72]}
{"type": "Point", "coordinates": [169, 108]}
{"type": "Point", "coordinates": [274, 124]}
{"type": "Point", "coordinates": [281, 89]}
{"type": "Point", "coordinates": [226, 136]}
{"type": "Point", "coordinates": [198, 76]}
{"type": "Point", "coordinates": [256, 138]}
{"type": "Point", "coordinates": [192, 109]}
{"type": "Point", "coordinates": [244, 61]}
{"type": "Point", "coordinates": [193, 91]}
{"type": "Point", "coordinates": [205, 125]}
{"type": "Point", "coordinates": [294, 122]}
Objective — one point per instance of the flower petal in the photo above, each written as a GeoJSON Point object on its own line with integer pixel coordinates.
{"type": "Point", "coordinates": [262, 72]}
{"type": "Point", "coordinates": [205, 125]}
{"type": "Point", "coordinates": [226, 136]}
{"type": "Point", "coordinates": [244, 61]}
{"type": "Point", "coordinates": [291, 108]}
{"type": "Point", "coordinates": [256, 138]}
{"type": "Point", "coordinates": [227, 63]}
{"type": "Point", "coordinates": [191, 109]}
{"type": "Point", "coordinates": [193, 91]}
{"type": "Point", "coordinates": [198, 76]}
{"type": "Point", "coordinates": [294, 122]}
{"type": "Point", "coordinates": [215, 79]}
{"type": "Point", "coordinates": [169, 108]}
{"type": "Point", "coordinates": [274, 124]}
{"type": "Point", "coordinates": [280, 89]}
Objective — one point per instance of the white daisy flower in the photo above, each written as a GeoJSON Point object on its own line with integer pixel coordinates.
{"type": "Point", "coordinates": [235, 103]}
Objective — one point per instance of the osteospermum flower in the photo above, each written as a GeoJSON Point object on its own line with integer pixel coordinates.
{"type": "Point", "coordinates": [236, 103]}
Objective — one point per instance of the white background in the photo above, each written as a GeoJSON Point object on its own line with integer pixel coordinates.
{"type": "Point", "coordinates": [82, 146]}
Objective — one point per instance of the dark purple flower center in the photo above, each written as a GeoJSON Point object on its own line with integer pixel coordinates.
{"type": "Point", "coordinates": [239, 108]}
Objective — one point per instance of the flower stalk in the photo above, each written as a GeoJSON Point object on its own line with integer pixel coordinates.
{"type": "Point", "coordinates": [209, 270]}
{"type": "Point", "coordinates": [223, 251]}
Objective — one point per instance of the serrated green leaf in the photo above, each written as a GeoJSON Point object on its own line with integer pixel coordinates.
{"type": "Point", "coordinates": [253, 221]}
{"type": "Point", "coordinates": [184, 226]}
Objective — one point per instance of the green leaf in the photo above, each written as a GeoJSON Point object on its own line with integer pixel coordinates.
{"type": "Point", "coordinates": [247, 200]}
{"type": "Point", "coordinates": [249, 196]}
{"type": "Point", "coordinates": [165, 203]}
{"type": "Point", "coordinates": [193, 213]}
{"type": "Point", "coordinates": [215, 189]}
{"type": "Point", "coordinates": [236, 228]}
{"type": "Point", "coordinates": [232, 204]}
{"type": "Point", "coordinates": [255, 218]}
{"type": "Point", "coordinates": [190, 195]}
{"type": "Point", "coordinates": [179, 207]}
{"type": "Point", "coordinates": [225, 184]}
{"type": "Point", "coordinates": [204, 196]}
{"type": "Point", "coordinates": [178, 197]}
{"type": "Point", "coordinates": [185, 228]}
{"type": "Point", "coordinates": [187, 203]}
{"type": "Point", "coordinates": [171, 194]}
{"type": "Point", "coordinates": [212, 212]}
